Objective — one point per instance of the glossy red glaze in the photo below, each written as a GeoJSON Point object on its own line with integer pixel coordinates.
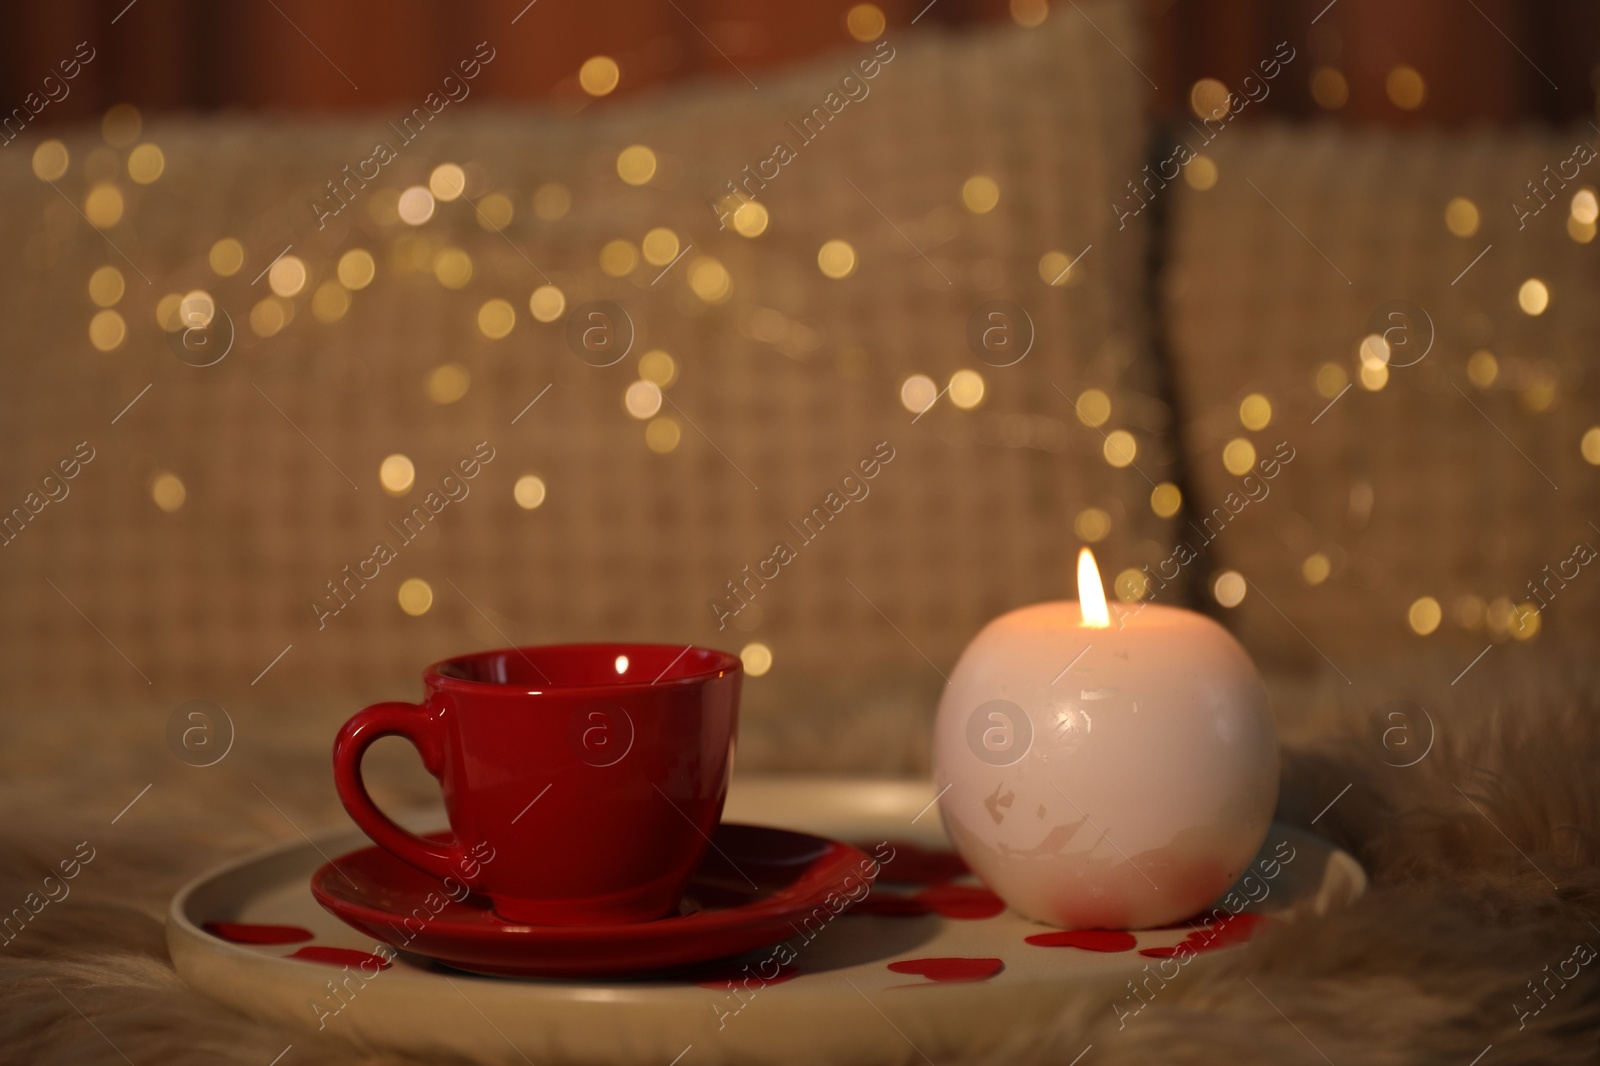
{"type": "Point", "coordinates": [756, 887]}
{"type": "Point", "coordinates": [582, 781]}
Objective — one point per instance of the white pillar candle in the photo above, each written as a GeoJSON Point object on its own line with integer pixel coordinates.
{"type": "Point", "coordinates": [1105, 767]}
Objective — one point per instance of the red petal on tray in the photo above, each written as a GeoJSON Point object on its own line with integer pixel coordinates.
{"type": "Point", "coordinates": [249, 933]}
{"type": "Point", "coordinates": [341, 957]}
{"type": "Point", "coordinates": [950, 969]}
{"type": "Point", "coordinates": [915, 865]}
{"type": "Point", "coordinates": [1087, 939]}
{"type": "Point", "coordinates": [960, 901]}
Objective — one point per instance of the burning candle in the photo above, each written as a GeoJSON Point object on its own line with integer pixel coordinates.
{"type": "Point", "coordinates": [1105, 767]}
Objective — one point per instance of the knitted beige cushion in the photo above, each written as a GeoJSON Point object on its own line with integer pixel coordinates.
{"type": "Point", "coordinates": [1452, 476]}
{"type": "Point", "coordinates": [235, 510]}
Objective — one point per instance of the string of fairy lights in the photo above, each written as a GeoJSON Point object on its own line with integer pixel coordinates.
{"type": "Point", "coordinates": [125, 159]}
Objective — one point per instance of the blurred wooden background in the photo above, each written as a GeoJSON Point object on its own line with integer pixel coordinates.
{"type": "Point", "coordinates": [1495, 61]}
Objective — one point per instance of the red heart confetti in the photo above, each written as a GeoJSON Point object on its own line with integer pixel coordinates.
{"type": "Point", "coordinates": [949, 969]}
{"type": "Point", "coordinates": [1087, 939]}
{"type": "Point", "coordinates": [340, 957]}
{"type": "Point", "coordinates": [1224, 932]}
{"type": "Point", "coordinates": [247, 933]}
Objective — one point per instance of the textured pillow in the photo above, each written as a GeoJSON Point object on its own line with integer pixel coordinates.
{"type": "Point", "coordinates": [783, 492]}
{"type": "Point", "coordinates": [1445, 496]}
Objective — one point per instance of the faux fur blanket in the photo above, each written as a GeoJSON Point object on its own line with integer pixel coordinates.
{"type": "Point", "coordinates": [1474, 812]}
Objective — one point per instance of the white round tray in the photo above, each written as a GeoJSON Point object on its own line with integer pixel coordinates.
{"type": "Point", "coordinates": [843, 1005]}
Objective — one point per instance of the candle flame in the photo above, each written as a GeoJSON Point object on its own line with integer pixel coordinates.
{"type": "Point", "coordinates": [1091, 592]}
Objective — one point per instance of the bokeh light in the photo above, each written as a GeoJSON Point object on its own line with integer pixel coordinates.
{"type": "Point", "coordinates": [865, 22]}
{"type": "Point", "coordinates": [1331, 380]}
{"type": "Point", "coordinates": [50, 160]}
{"type": "Point", "coordinates": [415, 596]}
{"type": "Point", "coordinates": [1461, 217]}
{"type": "Point", "coordinates": [269, 316]}
{"type": "Point", "coordinates": [106, 286]}
{"type": "Point", "coordinates": [103, 205]}
{"type": "Point", "coordinates": [107, 331]}
{"type": "Point", "coordinates": [1029, 13]}
{"type": "Point", "coordinates": [146, 164]}
{"type": "Point", "coordinates": [330, 302]}
{"type": "Point", "coordinates": [547, 303]}
{"type": "Point", "coordinates": [1093, 407]}
{"type": "Point", "coordinates": [1091, 525]}
{"type": "Point", "coordinates": [356, 268]}
{"type": "Point", "coordinates": [496, 318]}
{"type": "Point", "coordinates": [529, 491]}
{"type": "Point", "coordinates": [495, 212]}
{"type": "Point", "coordinates": [168, 492]}
{"type": "Point", "coordinates": [1589, 446]}
{"type": "Point", "coordinates": [836, 259]}
{"type": "Point", "coordinates": [397, 474]}
{"type": "Point", "coordinates": [226, 257]}
{"type": "Point", "coordinates": [980, 194]}
{"type": "Point", "coordinates": [415, 206]}
{"type": "Point", "coordinates": [1533, 296]}
{"type": "Point", "coordinates": [709, 280]}
{"type": "Point", "coordinates": [636, 164]}
{"type": "Point", "coordinates": [448, 383]}
{"type": "Point", "coordinates": [1329, 88]}
{"type": "Point", "coordinates": [756, 657]}
{"type": "Point", "coordinates": [658, 368]}
{"type": "Point", "coordinates": [447, 182]}
{"type": "Point", "coordinates": [1255, 411]}
{"type": "Point", "coordinates": [1424, 615]}
{"type": "Point", "coordinates": [1405, 87]}
{"type": "Point", "coordinates": [642, 399]}
{"type": "Point", "coordinates": [662, 435]}
{"type": "Point", "coordinates": [1316, 568]}
{"type": "Point", "coordinates": [966, 389]}
{"type": "Point", "coordinates": [1238, 456]}
{"type": "Point", "coordinates": [1200, 173]}
{"type": "Point", "coordinates": [1120, 449]}
{"type": "Point", "coordinates": [750, 220]}
{"type": "Point", "coordinates": [287, 276]}
{"type": "Point", "coordinates": [1228, 588]}
{"type": "Point", "coordinates": [660, 246]}
{"type": "Point", "coordinates": [453, 267]}
{"type": "Point", "coordinates": [599, 75]}
{"type": "Point", "coordinates": [1208, 98]}
{"type": "Point", "coordinates": [917, 393]}
{"type": "Point", "coordinates": [1482, 368]}
{"type": "Point", "coordinates": [1165, 499]}
{"type": "Point", "coordinates": [618, 258]}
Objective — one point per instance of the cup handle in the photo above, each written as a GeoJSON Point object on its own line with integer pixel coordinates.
{"type": "Point", "coordinates": [441, 860]}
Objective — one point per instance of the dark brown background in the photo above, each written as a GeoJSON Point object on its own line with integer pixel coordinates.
{"type": "Point", "coordinates": [1494, 61]}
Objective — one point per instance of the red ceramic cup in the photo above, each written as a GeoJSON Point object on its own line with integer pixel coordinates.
{"type": "Point", "coordinates": [582, 781]}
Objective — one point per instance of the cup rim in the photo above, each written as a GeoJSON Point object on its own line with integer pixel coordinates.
{"type": "Point", "coordinates": [436, 679]}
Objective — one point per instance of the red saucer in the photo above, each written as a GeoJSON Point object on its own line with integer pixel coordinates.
{"type": "Point", "coordinates": [755, 887]}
